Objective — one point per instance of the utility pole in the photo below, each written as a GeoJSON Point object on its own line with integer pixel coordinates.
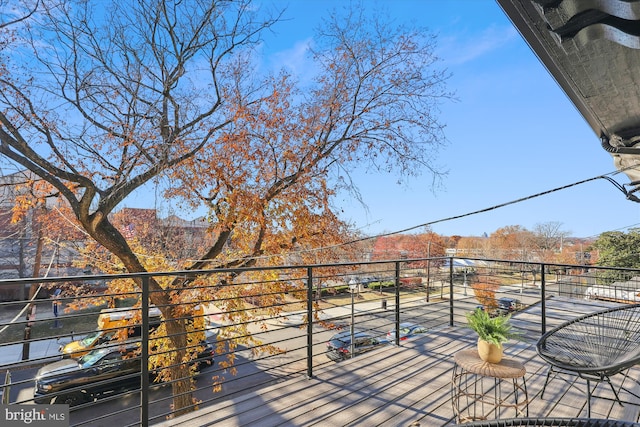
{"type": "Point", "coordinates": [31, 309]}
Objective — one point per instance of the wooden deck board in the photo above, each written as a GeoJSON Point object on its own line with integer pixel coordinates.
{"type": "Point", "coordinates": [403, 386]}
{"type": "Point", "coordinates": [356, 384]}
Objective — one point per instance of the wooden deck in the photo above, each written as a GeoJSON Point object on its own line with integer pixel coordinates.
{"type": "Point", "coordinates": [405, 386]}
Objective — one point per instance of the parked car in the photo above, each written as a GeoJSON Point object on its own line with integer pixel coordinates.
{"type": "Point", "coordinates": [106, 370]}
{"type": "Point", "coordinates": [407, 331]}
{"type": "Point", "coordinates": [339, 346]}
{"type": "Point", "coordinates": [112, 324]}
{"type": "Point", "coordinates": [509, 305]}
{"type": "Point", "coordinates": [79, 348]}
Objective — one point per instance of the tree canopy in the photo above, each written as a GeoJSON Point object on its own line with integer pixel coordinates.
{"type": "Point", "coordinates": [617, 249]}
{"type": "Point", "coordinates": [99, 102]}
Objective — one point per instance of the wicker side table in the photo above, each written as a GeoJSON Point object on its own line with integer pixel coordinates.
{"type": "Point", "coordinates": [482, 391]}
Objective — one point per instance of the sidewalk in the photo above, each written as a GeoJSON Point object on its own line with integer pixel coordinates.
{"type": "Point", "coordinates": [38, 350]}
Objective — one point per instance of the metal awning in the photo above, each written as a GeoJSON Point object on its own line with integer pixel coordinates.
{"type": "Point", "coordinates": [592, 49]}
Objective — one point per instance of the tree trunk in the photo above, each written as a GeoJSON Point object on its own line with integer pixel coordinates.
{"type": "Point", "coordinates": [107, 235]}
{"type": "Point", "coordinates": [181, 384]}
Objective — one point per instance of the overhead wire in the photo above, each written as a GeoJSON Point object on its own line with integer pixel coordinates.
{"type": "Point", "coordinates": [606, 177]}
{"type": "Point", "coordinates": [451, 218]}
{"type": "Point", "coordinates": [488, 209]}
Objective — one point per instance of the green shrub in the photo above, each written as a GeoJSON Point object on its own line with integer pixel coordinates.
{"type": "Point", "coordinates": [495, 330]}
{"type": "Point", "coordinates": [378, 285]}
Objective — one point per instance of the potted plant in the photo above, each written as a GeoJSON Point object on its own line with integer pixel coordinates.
{"type": "Point", "coordinates": [492, 333]}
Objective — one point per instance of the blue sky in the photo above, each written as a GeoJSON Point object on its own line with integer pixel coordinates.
{"type": "Point", "coordinates": [512, 133]}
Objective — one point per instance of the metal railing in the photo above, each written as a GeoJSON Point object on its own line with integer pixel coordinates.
{"type": "Point", "coordinates": [257, 322]}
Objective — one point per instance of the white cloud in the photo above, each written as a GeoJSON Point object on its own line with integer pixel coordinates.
{"type": "Point", "coordinates": [295, 60]}
{"type": "Point", "coordinates": [456, 50]}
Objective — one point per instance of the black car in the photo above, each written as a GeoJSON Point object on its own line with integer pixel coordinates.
{"type": "Point", "coordinates": [508, 305]}
{"type": "Point", "coordinates": [106, 370]}
{"type": "Point", "coordinates": [339, 346]}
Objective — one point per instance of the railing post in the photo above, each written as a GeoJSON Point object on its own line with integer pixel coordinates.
{"type": "Point", "coordinates": [543, 299]}
{"type": "Point", "coordinates": [428, 269]}
{"type": "Point", "coordinates": [397, 308]}
{"type": "Point", "coordinates": [451, 291]}
{"type": "Point", "coordinates": [352, 344]}
{"type": "Point", "coordinates": [310, 322]}
{"type": "Point", "coordinates": [144, 358]}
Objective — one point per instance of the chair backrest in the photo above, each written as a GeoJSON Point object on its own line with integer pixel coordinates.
{"type": "Point", "coordinates": [603, 343]}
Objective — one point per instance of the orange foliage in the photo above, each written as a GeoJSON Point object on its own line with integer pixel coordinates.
{"type": "Point", "coordinates": [511, 242]}
{"type": "Point", "coordinates": [401, 246]}
{"type": "Point", "coordinates": [485, 293]}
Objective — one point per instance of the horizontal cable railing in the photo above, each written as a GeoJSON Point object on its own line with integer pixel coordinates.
{"type": "Point", "coordinates": [99, 345]}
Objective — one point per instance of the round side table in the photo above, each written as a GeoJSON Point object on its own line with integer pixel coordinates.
{"type": "Point", "coordinates": [482, 391]}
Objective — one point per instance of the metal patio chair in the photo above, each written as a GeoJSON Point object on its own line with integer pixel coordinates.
{"type": "Point", "coordinates": [595, 347]}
